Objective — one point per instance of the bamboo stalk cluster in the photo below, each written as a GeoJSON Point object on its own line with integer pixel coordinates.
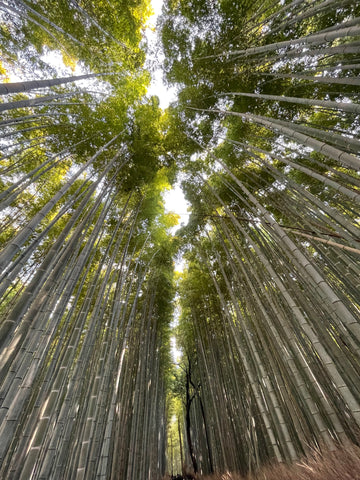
{"type": "Point", "coordinates": [82, 385]}
{"type": "Point", "coordinates": [270, 302]}
{"type": "Point", "coordinates": [86, 274]}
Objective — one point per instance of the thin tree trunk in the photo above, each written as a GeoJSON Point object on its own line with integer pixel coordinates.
{"type": "Point", "coordinates": [345, 107]}
{"type": "Point", "coordinates": [7, 88]}
{"type": "Point", "coordinates": [32, 102]}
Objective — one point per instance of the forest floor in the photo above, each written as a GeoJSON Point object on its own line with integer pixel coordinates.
{"type": "Point", "coordinates": [341, 464]}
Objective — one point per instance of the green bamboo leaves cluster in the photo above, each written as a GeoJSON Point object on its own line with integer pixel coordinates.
{"type": "Point", "coordinates": [105, 35]}
{"type": "Point", "coordinates": [270, 300]}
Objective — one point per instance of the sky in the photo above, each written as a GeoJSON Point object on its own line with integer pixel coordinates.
{"type": "Point", "coordinates": [174, 199]}
{"type": "Point", "coordinates": [166, 95]}
{"type": "Point", "coordinates": [175, 202]}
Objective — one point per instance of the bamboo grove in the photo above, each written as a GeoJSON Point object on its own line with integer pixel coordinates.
{"type": "Point", "coordinates": [270, 301]}
{"type": "Point", "coordinates": [87, 265]}
{"type": "Point", "coordinates": [264, 138]}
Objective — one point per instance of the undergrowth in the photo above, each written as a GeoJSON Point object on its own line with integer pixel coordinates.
{"type": "Point", "coordinates": [341, 464]}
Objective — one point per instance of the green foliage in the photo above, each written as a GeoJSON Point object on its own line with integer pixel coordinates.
{"type": "Point", "coordinates": [102, 36]}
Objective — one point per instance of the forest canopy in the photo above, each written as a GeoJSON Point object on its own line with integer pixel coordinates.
{"type": "Point", "coordinates": [264, 139]}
